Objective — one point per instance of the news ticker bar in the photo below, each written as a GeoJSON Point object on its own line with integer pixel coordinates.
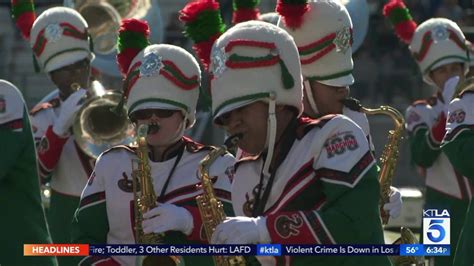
{"type": "Point", "coordinates": [245, 250]}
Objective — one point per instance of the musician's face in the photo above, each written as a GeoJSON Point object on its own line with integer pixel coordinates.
{"type": "Point", "coordinates": [164, 126]}
{"type": "Point", "coordinates": [78, 72]}
{"type": "Point", "coordinates": [251, 122]}
{"type": "Point", "coordinates": [327, 98]}
{"type": "Point", "coordinates": [441, 74]}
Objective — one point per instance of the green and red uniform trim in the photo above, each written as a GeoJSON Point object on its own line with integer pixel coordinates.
{"type": "Point", "coordinates": [68, 30]}
{"type": "Point", "coordinates": [49, 156]}
{"type": "Point", "coordinates": [428, 41]}
{"type": "Point", "coordinates": [319, 48]}
{"type": "Point", "coordinates": [169, 70]}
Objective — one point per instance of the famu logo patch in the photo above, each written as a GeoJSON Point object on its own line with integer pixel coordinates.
{"type": "Point", "coordinates": [457, 116]}
{"type": "Point", "coordinates": [287, 226]}
{"type": "Point", "coordinates": [126, 184]}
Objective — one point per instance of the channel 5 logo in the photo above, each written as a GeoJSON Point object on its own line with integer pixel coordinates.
{"type": "Point", "coordinates": [436, 227]}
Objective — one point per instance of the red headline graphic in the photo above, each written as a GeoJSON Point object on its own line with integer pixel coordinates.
{"type": "Point", "coordinates": [55, 249]}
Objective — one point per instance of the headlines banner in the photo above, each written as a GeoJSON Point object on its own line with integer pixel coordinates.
{"type": "Point", "coordinates": [244, 250]}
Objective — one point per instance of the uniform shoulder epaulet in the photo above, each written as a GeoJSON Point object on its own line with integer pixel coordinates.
{"type": "Point", "coordinates": [353, 104]}
{"type": "Point", "coordinates": [246, 159]}
{"type": "Point", "coordinates": [193, 147]}
{"type": "Point", "coordinates": [420, 102]}
{"type": "Point", "coordinates": [306, 124]}
{"type": "Point", "coordinates": [53, 103]}
{"type": "Point", "coordinates": [121, 147]}
{"type": "Point", "coordinates": [466, 92]}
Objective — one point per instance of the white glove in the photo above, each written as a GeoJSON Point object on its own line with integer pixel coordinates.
{"type": "Point", "coordinates": [167, 217]}
{"type": "Point", "coordinates": [448, 91]}
{"type": "Point", "coordinates": [241, 230]}
{"type": "Point", "coordinates": [394, 206]}
{"type": "Point", "coordinates": [69, 109]}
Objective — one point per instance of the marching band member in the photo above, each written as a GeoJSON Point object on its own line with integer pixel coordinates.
{"type": "Point", "coordinates": [162, 89]}
{"type": "Point", "coordinates": [323, 34]}
{"type": "Point", "coordinates": [24, 221]}
{"type": "Point", "coordinates": [298, 188]}
{"type": "Point", "coordinates": [61, 48]}
{"type": "Point", "coordinates": [458, 145]}
{"type": "Point", "coordinates": [438, 47]}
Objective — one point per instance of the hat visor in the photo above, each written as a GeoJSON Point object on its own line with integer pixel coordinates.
{"type": "Point", "coordinates": [232, 107]}
{"type": "Point", "coordinates": [343, 81]}
{"type": "Point", "coordinates": [155, 105]}
{"type": "Point", "coordinates": [67, 59]}
{"type": "Point", "coordinates": [426, 75]}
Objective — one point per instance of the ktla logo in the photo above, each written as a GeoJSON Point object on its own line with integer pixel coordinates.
{"type": "Point", "coordinates": [436, 227]}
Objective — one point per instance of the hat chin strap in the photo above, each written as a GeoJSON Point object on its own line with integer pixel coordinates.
{"type": "Point", "coordinates": [309, 93]}
{"type": "Point", "coordinates": [182, 128]}
{"type": "Point", "coordinates": [271, 134]}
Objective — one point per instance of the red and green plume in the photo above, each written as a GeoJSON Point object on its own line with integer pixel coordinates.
{"type": "Point", "coordinates": [245, 10]}
{"type": "Point", "coordinates": [400, 18]}
{"type": "Point", "coordinates": [203, 24]}
{"type": "Point", "coordinates": [133, 37]}
{"type": "Point", "coordinates": [23, 12]}
{"type": "Point", "coordinates": [292, 12]}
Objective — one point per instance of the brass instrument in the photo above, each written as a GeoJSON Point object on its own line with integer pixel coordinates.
{"type": "Point", "coordinates": [97, 128]}
{"type": "Point", "coordinates": [210, 208]}
{"type": "Point", "coordinates": [407, 237]}
{"type": "Point", "coordinates": [103, 18]}
{"type": "Point", "coordinates": [466, 85]}
{"type": "Point", "coordinates": [390, 152]}
{"type": "Point", "coordinates": [388, 160]}
{"type": "Point", "coordinates": [144, 198]}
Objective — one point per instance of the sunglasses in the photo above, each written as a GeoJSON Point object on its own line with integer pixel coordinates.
{"type": "Point", "coordinates": [80, 66]}
{"type": "Point", "coordinates": [148, 113]}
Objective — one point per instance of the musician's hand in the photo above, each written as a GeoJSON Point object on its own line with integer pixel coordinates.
{"type": "Point", "coordinates": [167, 217]}
{"type": "Point", "coordinates": [241, 230]}
{"type": "Point", "coordinates": [394, 206]}
{"type": "Point", "coordinates": [448, 91]}
{"type": "Point", "coordinates": [69, 109]}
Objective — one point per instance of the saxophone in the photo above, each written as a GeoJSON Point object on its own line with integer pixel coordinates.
{"type": "Point", "coordinates": [407, 237]}
{"type": "Point", "coordinates": [210, 208]}
{"type": "Point", "coordinates": [466, 85]}
{"type": "Point", "coordinates": [388, 160]}
{"type": "Point", "coordinates": [390, 152]}
{"type": "Point", "coordinates": [144, 198]}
